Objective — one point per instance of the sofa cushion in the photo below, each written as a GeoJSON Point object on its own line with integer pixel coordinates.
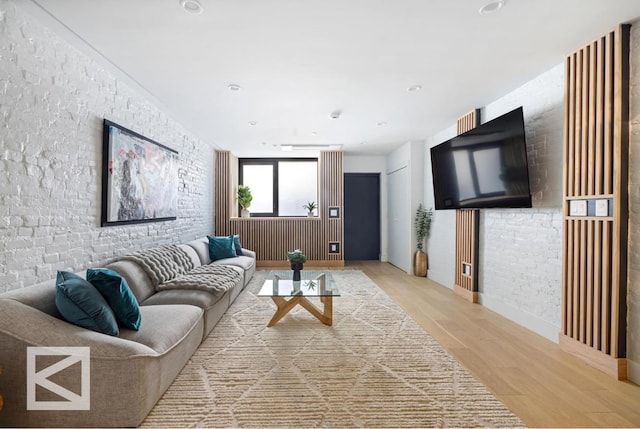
{"type": "Point", "coordinates": [244, 262]}
{"type": "Point", "coordinates": [81, 304]}
{"type": "Point", "coordinates": [165, 326]}
{"type": "Point", "coordinates": [201, 246]}
{"type": "Point", "coordinates": [221, 247]}
{"type": "Point", "coordinates": [138, 281]}
{"type": "Point", "coordinates": [195, 258]}
{"type": "Point", "coordinates": [116, 291]}
{"type": "Point", "coordinates": [237, 244]}
{"type": "Point", "coordinates": [199, 298]}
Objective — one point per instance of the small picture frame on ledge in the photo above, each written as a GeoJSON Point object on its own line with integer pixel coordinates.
{"type": "Point", "coordinates": [334, 212]}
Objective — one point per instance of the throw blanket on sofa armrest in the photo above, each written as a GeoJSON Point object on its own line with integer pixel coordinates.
{"type": "Point", "coordinates": [162, 263]}
{"type": "Point", "coordinates": [210, 278]}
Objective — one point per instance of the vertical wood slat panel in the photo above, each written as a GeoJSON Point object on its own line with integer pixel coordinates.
{"type": "Point", "coordinates": [595, 248]}
{"type": "Point", "coordinates": [620, 189]}
{"type": "Point", "coordinates": [584, 116]}
{"type": "Point", "coordinates": [569, 132]}
{"type": "Point", "coordinates": [467, 232]}
{"type": "Point", "coordinates": [591, 120]}
{"type": "Point", "coordinates": [599, 126]}
{"type": "Point", "coordinates": [608, 114]}
{"type": "Point", "coordinates": [271, 238]}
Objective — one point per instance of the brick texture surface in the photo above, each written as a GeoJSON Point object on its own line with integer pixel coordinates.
{"type": "Point", "coordinates": [53, 99]}
{"type": "Point", "coordinates": [521, 249]}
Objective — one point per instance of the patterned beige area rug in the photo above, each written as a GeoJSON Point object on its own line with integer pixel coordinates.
{"type": "Point", "coordinates": [375, 367]}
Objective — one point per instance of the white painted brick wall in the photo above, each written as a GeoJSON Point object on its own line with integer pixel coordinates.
{"type": "Point", "coordinates": [633, 292]}
{"type": "Point", "coordinates": [52, 102]}
{"type": "Point", "coordinates": [520, 254]}
{"type": "Point", "coordinates": [520, 271]}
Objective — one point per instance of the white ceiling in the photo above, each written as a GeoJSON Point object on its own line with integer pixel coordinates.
{"type": "Point", "coordinates": [299, 60]}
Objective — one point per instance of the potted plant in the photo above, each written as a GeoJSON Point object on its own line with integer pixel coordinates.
{"type": "Point", "coordinates": [244, 198]}
{"type": "Point", "coordinates": [423, 228]}
{"type": "Point", "coordinates": [310, 206]}
{"type": "Point", "coordinates": [296, 258]}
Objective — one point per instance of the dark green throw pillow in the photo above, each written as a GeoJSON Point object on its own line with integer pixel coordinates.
{"type": "Point", "coordinates": [116, 291]}
{"type": "Point", "coordinates": [236, 243]}
{"type": "Point", "coordinates": [221, 248]}
{"type": "Point", "coordinates": [81, 304]}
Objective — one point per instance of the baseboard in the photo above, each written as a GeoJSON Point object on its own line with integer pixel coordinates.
{"type": "Point", "coordinates": [466, 294]}
{"type": "Point", "coordinates": [615, 367]}
{"type": "Point", "coordinates": [308, 264]}
{"type": "Point", "coordinates": [633, 371]}
{"type": "Point", "coordinates": [529, 321]}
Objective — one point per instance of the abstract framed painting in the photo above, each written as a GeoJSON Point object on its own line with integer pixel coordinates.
{"type": "Point", "coordinates": [139, 178]}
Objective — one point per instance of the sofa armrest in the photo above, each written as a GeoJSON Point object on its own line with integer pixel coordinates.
{"type": "Point", "coordinates": [249, 253]}
{"type": "Point", "coordinates": [23, 326]}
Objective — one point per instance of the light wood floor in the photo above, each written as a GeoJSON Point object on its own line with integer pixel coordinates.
{"type": "Point", "coordinates": [542, 385]}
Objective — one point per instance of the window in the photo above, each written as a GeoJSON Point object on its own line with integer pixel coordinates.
{"type": "Point", "coordinates": [280, 187]}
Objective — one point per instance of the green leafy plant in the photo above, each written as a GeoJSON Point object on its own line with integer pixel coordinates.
{"type": "Point", "coordinates": [296, 257]}
{"type": "Point", "coordinates": [310, 206]}
{"type": "Point", "coordinates": [423, 224]}
{"type": "Point", "coordinates": [244, 196]}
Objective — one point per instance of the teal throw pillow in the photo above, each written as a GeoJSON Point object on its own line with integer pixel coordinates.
{"type": "Point", "coordinates": [116, 291]}
{"type": "Point", "coordinates": [236, 243]}
{"type": "Point", "coordinates": [221, 248]}
{"type": "Point", "coordinates": [81, 304]}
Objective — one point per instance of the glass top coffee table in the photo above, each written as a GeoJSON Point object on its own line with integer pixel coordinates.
{"type": "Point", "coordinates": [280, 285]}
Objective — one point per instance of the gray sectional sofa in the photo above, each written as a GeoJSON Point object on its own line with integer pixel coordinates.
{"type": "Point", "coordinates": [129, 372]}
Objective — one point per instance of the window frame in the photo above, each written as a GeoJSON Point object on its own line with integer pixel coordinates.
{"type": "Point", "coordinates": [276, 194]}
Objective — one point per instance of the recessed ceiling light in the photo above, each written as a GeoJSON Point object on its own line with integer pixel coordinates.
{"type": "Point", "coordinates": [382, 123]}
{"type": "Point", "coordinates": [414, 88]}
{"type": "Point", "coordinates": [492, 6]}
{"type": "Point", "coordinates": [253, 123]}
{"type": "Point", "coordinates": [234, 87]}
{"type": "Point", "coordinates": [263, 143]}
{"type": "Point", "coordinates": [192, 6]}
{"type": "Point", "coordinates": [313, 133]}
{"type": "Point", "coordinates": [335, 114]}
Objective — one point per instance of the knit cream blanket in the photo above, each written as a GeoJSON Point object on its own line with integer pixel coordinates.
{"type": "Point", "coordinates": [170, 267]}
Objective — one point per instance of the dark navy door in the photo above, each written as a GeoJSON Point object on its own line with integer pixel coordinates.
{"type": "Point", "coordinates": [361, 216]}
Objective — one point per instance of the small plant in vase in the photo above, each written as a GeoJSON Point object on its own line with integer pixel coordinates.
{"type": "Point", "coordinates": [244, 198]}
{"type": "Point", "coordinates": [296, 258]}
{"type": "Point", "coordinates": [310, 206]}
{"type": "Point", "coordinates": [423, 229]}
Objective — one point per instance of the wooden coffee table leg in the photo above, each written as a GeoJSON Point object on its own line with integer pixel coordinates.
{"type": "Point", "coordinates": [284, 306]}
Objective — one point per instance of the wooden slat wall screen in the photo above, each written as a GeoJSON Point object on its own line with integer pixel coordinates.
{"type": "Point", "coordinates": [595, 244]}
{"type": "Point", "coordinates": [271, 238]}
{"type": "Point", "coordinates": [226, 184]}
{"type": "Point", "coordinates": [467, 222]}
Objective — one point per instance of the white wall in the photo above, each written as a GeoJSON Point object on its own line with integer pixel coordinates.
{"type": "Point", "coordinates": [53, 99]}
{"type": "Point", "coordinates": [520, 249]}
{"type": "Point", "coordinates": [520, 273]}
{"type": "Point", "coordinates": [373, 164]}
{"type": "Point", "coordinates": [441, 245]}
{"type": "Point", "coordinates": [405, 175]}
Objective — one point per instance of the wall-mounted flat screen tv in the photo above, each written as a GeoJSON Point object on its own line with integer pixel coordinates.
{"type": "Point", "coordinates": [485, 167]}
